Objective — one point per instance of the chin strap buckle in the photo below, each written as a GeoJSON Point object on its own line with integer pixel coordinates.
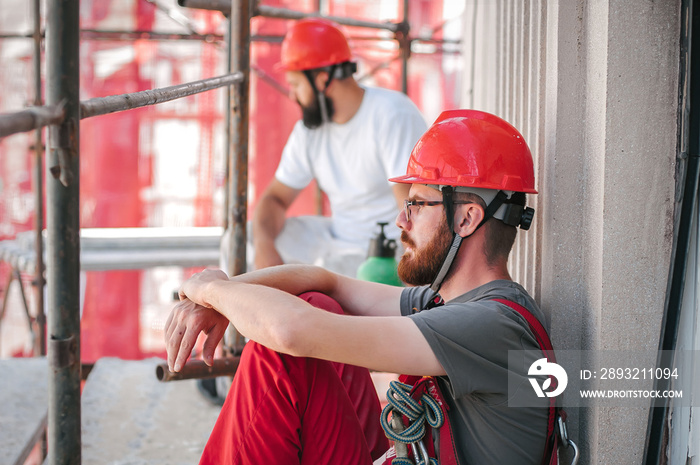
{"type": "Point", "coordinates": [518, 216]}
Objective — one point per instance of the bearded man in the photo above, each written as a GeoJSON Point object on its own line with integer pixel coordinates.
{"type": "Point", "coordinates": [351, 139]}
{"type": "Point", "coordinates": [302, 394]}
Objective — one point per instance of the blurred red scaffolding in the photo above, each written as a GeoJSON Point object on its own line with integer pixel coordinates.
{"type": "Point", "coordinates": [124, 180]}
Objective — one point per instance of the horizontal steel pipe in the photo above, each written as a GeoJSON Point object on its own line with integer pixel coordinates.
{"type": "Point", "coordinates": [197, 369]}
{"type": "Point", "coordinates": [114, 103]}
{"type": "Point", "coordinates": [283, 13]}
{"type": "Point", "coordinates": [17, 35]}
{"type": "Point", "coordinates": [29, 119]}
{"type": "Point", "coordinates": [224, 6]}
{"type": "Point", "coordinates": [101, 34]}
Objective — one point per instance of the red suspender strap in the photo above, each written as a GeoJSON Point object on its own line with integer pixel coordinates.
{"type": "Point", "coordinates": [551, 445]}
{"type": "Point", "coordinates": [429, 385]}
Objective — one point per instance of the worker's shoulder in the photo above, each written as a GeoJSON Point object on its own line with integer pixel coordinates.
{"type": "Point", "coordinates": [495, 300]}
{"type": "Point", "coordinates": [390, 101]}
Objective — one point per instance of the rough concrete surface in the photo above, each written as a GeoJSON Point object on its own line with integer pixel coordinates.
{"type": "Point", "coordinates": [23, 405]}
{"type": "Point", "coordinates": [131, 418]}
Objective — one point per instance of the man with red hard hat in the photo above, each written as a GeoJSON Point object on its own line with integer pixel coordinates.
{"type": "Point", "coordinates": [292, 400]}
{"type": "Point", "coordinates": [351, 138]}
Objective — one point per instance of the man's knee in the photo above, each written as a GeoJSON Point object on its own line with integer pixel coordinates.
{"type": "Point", "coordinates": [320, 300]}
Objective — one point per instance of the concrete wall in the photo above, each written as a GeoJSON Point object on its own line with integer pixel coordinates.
{"type": "Point", "coordinates": [593, 86]}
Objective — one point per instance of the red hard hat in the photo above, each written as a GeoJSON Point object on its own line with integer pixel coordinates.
{"type": "Point", "coordinates": [314, 43]}
{"type": "Point", "coordinates": [471, 148]}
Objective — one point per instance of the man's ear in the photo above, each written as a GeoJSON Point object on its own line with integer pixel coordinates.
{"type": "Point", "coordinates": [467, 218]}
{"type": "Point", "coordinates": [320, 80]}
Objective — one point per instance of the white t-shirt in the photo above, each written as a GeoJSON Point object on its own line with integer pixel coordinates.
{"type": "Point", "coordinates": [353, 161]}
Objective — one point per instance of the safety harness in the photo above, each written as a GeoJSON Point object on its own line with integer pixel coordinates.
{"type": "Point", "coordinates": [417, 407]}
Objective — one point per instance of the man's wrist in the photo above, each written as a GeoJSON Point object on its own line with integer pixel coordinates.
{"type": "Point", "coordinates": [211, 292]}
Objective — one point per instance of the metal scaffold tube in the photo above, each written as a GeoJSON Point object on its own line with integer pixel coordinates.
{"type": "Point", "coordinates": [63, 225]}
{"type": "Point", "coordinates": [283, 13]}
{"type": "Point", "coordinates": [40, 340]}
{"type": "Point", "coordinates": [197, 369]}
{"type": "Point", "coordinates": [99, 34]}
{"type": "Point", "coordinates": [40, 116]}
{"type": "Point", "coordinates": [31, 118]}
{"type": "Point", "coordinates": [405, 45]}
{"type": "Point", "coordinates": [114, 103]}
{"type": "Point", "coordinates": [237, 214]}
{"type": "Point", "coordinates": [238, 150]}
{"type": "Point", "coordinates": [224, 6]}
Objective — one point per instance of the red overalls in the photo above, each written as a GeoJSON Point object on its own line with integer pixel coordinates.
{"type": "Point", "coordinates": [284, 410]}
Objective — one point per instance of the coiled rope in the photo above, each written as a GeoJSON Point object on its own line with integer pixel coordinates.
{"type": "Point", "coordinates": [419, 412]}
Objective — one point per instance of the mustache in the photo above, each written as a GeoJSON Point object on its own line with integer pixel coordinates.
{"type": "Point", "coordinates": [407, 240]}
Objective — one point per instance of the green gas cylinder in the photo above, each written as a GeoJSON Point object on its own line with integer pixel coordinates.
{"type": "Point", "coordinates": [380, 266]}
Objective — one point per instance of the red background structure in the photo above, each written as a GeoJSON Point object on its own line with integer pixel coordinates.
{"type": "Point", "coordinates": [120, 158]}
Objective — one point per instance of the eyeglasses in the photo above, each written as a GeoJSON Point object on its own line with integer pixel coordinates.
{"type": "Point", "coordinates": [407, 204]}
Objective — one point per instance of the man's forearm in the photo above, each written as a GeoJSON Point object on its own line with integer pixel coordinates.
{"type": "Point", "coordinates": [293, 279]}
{"type": "Point", "coordinates": [355, 296]}
{"type": "Point", "coordinates": [268, 221]}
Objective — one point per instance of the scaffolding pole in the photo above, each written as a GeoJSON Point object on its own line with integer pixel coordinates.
{"type": "Point", "coordinates": [238, 149]}
{"type": "Point", "coordinates": [405, 45]}
{"type": "Point", "coordinates": [63, 225]}
{"type": "Point", "coordinates": [237, 214]}
{"type": "Point", "coordinates": [40, 340]}
{"type": "Point", "coordinates": [114, 103]}
{"type": "Point", "coordinates": [227, 122]}
{"type": "Point", "coordinates": [37, 117]}
{"type": "Point", "coordinates": [117, 35]}
{"type": "Point", "coordinates": [31, 118]}
{"type": "Point", "coordinates": [284, 13]}
{"type": "Point", "coordinates": [224, 7]}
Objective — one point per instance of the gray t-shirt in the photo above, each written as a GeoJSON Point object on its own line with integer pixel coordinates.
{"type": "Point", "coordinates": [471, 336]}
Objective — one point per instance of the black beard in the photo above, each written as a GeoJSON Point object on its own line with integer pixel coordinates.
{"type": "Point", "coordinates": [311, 115]}
{"type": "Point", "coordinates": [423, 267]}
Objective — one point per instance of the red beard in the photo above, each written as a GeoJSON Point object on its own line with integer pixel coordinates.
{"type": "Point", "coordinates": [421, 268]}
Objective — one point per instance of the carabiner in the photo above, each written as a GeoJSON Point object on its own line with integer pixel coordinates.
{"type": "Point", "coordinates": [420, 453]}
{"type": "Point", "coordinates": [564, 435]}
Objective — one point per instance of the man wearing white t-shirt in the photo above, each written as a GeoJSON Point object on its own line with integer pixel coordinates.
{"type": "Point", "coordinates": [350, 140]}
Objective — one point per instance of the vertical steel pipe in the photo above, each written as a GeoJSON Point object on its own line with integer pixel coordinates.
{"type": "Point", "coordinates": [40, 340]}
{"type": "Point", "coordinates": [227, 139]}
{"type": "Point", "coordinates": [238, 150]}
{"type": "Point", "coordinates": [63, 225]}
{"type": "Point", "coordinates": [405, 47]}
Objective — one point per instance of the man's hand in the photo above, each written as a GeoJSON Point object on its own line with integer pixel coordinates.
{"type": "Point", "coordinates": [186, 321]}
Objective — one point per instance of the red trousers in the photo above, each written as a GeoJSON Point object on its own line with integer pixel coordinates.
{"type": "Point", "coordinates": [284, 410]}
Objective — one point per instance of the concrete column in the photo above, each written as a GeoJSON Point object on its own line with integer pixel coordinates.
{"type": "Point", "coordinates": [593, 86]}
{"type": "Point", "coordinates": [608, 191]}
